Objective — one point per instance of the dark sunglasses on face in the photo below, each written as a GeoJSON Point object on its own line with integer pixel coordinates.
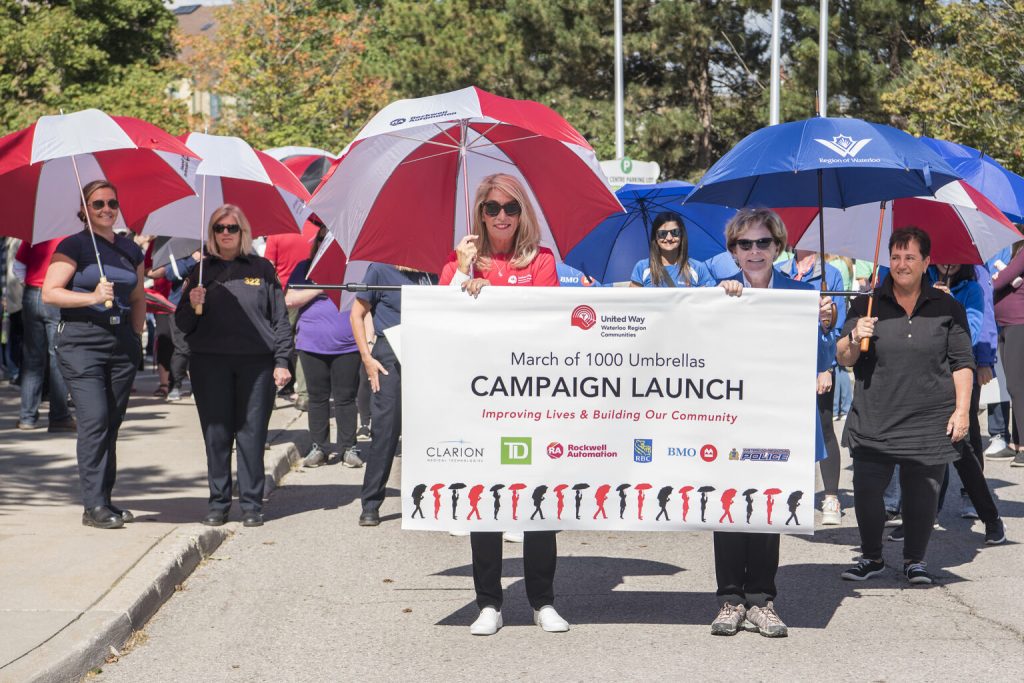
{"type": "Point", "coordinates": [232, 228]}
{"type": "Point", "coordinates": [98, 204]}
{"type": "Point", "coordinates": [493, 208]}
{"type": "Point", "coordinates": [673, 232]}
{"type": "Point", "coordinates": [762, 243]}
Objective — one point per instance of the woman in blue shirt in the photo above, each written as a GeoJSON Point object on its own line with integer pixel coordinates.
{"type": "Point", "coordinates": [669, 265]}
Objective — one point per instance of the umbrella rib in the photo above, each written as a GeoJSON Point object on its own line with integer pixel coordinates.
{"type": "Point", "coordinates": [447, 134]}
{"type": "Point", "coordinates": [488, 156]}
{"type": "Point", "coordinates": [426, 158]}
{"type": "Point", "coordinates": [422, 142]}
{"type": "Point", "coordinates": [503, 142]}
{"type": "Point", "coordinates": [487, 132]}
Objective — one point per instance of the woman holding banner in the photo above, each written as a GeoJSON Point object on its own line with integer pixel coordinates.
{"type": "Point", "coordinates": [504, 249]}
{"type": "Point", "coordinates": [668, 264]}
{"type": "Point", "coordinates": [746, 563]}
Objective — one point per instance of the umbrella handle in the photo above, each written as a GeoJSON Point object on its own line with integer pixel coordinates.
{"type": "Point", "coordinates": [199, 309]}
{"type": "Point", "coordinates": [108, 303]}
{"type": "Point", "coordinates": [866, 341]}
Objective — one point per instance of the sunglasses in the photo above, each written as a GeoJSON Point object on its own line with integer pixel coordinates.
{"type": "Point", "coordinates": [493, 208]}
{"type": "Point", "coordinates": [762, 243]}
{"type": "Point", "coordinates": [665, 234]}
{"type": "Point", "coordinates": [232, 228]}
{"type": "Point", "coordinates": [98, 204]}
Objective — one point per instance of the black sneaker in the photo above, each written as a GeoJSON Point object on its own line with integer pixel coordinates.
{"type": "Point", "coordinates": [995, 532]}
{"type": "Point", "coordinates": [1018, 460]}
{"type": "Point", "coordinates": [363, 433]}
{"type": "Point", "coordinates": [916, 574]}
{"type": "Point", "coordinates": [893, 518]}
{"type": "Point", "coordinates": [897, 534]}
{"type": "Point", "coordinates": [863, 570]}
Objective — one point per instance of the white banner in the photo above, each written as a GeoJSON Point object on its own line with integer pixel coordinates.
{"type": "Point", "coordinates": [628, 409]}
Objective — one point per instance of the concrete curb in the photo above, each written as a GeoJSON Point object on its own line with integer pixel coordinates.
{"type": "Point", "coordinates": [104, 628]}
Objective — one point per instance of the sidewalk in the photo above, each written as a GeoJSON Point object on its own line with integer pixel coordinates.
{"type": "Point", "coordinates": [69, 593]}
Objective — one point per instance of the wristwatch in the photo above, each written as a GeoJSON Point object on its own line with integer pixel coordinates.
{"type": "Point", "coordinates": [852, 340]}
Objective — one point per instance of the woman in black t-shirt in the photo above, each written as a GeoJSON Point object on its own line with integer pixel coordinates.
{"type": "Point", "coordinates": [103, 313]}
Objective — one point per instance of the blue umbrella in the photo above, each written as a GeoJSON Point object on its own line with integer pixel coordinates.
{"type": "Point", "coordinates": [570, 277]}
{"type": "Point", "coordinates": [1004, 187]}
{"type": "Point", "coordinates": [609, 252]}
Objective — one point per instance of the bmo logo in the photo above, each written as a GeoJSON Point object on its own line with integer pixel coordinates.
{"type": "Point", "coordinates": [555, 450]}
{"type": "Point", "coordinates": [674, 452]}
{"type": "Point", "coordinates": [516, 450]}
{"type": "Point", "coordinates": [708, 452]}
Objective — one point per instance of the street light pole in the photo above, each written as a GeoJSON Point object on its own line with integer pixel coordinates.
{"type": "Point", "coordinates": [620, 136]}
{"type": "Point", "coordinates": [773, 104]}
{"type": "Point", "coordinates": [823, 59]}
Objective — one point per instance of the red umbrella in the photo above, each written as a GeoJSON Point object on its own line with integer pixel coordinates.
{"type": "Point", "coordinates": [685, 493]}
{"type": "Point", "coordinates": [429, 154]}
{"type": "Point", "coordinates": [515, 489]}
{"type": "Point", "coordinates": [560, 493]}
{"type": "Point", "coordinates": [640, 499]}
{"type": "Point", "coordinates": [771, 501]}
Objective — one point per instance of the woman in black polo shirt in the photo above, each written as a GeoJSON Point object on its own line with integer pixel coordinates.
{"type": "Point", "coordinates": [240, 348]}
{"type": "Point", "coordinates": [911, 404]}
{"type": "Point", "coordinates": [98, 347]}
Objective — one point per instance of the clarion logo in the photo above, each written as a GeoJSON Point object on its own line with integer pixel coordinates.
{"type": "Point", "coordinates": [844, 145]}
{"type": "Point", "coordinates": [583, 317]}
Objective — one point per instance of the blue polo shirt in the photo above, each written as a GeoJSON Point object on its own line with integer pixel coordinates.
{"type": "Point", "coordinates": [120, 259]}
{"type": "Point", "coordinates": [386, 306]}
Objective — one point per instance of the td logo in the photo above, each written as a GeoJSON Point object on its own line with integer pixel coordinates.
{"type": "Point", "coordinates": [516, 450]}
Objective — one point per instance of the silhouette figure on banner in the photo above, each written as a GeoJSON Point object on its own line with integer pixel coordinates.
{"type": "Point", "coordinates": [621, 488]}
{"type": "Point", "coordinates": [436, 490]}
{"type": "Point", "coordinates": [515, 489]}
{"type": "Point", "coordinates": [640, 488]}
{"type": "Point", "coordinates": [579, 488]}
{"type": "Point", "coordinates": [794, 502]}
{"type": "Point", "coordinates": [704, 491]}
{"type": "Point", "coordinates": [538, 498]}
{"type": "Point", "coordinates": [727, 497]}
{"type": "Point", "coordinates": [685, 493]}
{"type": "Point", "coordinates": [600, 496]}
{"type": "Point", "coordinates": [496, 492]}
{"type": "Point", "coordinates": [474, 501]}
{"type": "Point", "coordinates": [771, 493]}
{"type": "Point", "coordinates": [664, 493]}
{"type": "Point", "coordinates": [455, 497]}
{"type": "Point", "coordinates": [560, 493]}
{"type": "Point", "coordinates": [749, 496]}
{"type": "Point", "coordinates": [417, 499]}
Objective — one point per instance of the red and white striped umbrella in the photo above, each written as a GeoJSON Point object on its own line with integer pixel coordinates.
{"type": "Point", "coordinates": [232, 172]}
{"type": "Point", "coordinates": [331, 267]}
{"type": "Point", "coordinates": [38, 181]}
{"type": "Point", "coordinates": [964, 226]}
{"type": "Point", "coordinates": [401, 190]}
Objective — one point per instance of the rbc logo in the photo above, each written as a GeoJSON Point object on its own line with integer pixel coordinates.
{"type": "Point", "coordinates": [555, 450]}
{"type": "Point", "coordinates": [643, 450]}
{"type": "Point", "coordinates": [583, 317]}
{"type": "Point", "coordinates": [708, 452]}
{"type": "Point", "coordinates": [516, 450]}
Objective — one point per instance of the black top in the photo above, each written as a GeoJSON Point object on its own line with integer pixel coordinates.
{"type": "Point", "coordinates": [387, 305]}
{"type": "Point", "coordinates": [244, 313]}
{"type": "Point", "coordinates": [120, 258]}
{"type": "Point", "coordinates": [904, 394]}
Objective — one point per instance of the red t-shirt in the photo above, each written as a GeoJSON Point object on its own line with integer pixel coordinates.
{"type": "Point", "coordinates": [540, 273]}
{"type": "Point", "coordinates": [36, 258]}
{"type": "Point", "coordinates": [287, 251]}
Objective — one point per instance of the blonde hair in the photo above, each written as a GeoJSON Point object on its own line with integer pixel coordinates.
{"type": "Point", "coordinates": [243, 223]}
{"type": "Point", "coordinates": [746, 218]}
{"type": "Point", "coordinates": [526, 241]}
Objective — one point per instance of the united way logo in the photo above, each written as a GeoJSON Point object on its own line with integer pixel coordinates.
{"type": "Point", "coordinates": [583, 317]}
{"type": "Point", "coordinates": [643, 450]}
{"type": "Point", "coordinates": [844, 145]}
{"type": "Point", "coordinates": [516, 450]}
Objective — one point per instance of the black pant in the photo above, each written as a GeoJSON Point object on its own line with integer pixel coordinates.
{"type": "Point", "coordinates": [387, 426]}
{"type": "Point", "coordinates": [328, 375]}
{"type": "Point", "coordinates": [1011, 354]}
{"type": "Point", "coordinates": [180, 357]}
{"type": "Point", "coordinates": [920, 488]}
{"type": "Point", "coordinates": [234, 396]}
{"type": "Point", "coordinates": [540, 556]}
{"type": "Point", "coordinates": [163, 348]}
{"type": "Point", "coordinates": [98, 365]}
{"type": "Point", "coordinates": [745, 567]}
{"type": "Point", "coordinates": [830, 466]}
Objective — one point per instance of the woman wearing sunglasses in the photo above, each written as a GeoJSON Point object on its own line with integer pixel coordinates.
{"type": "Point", "coordinates": [504, 249]}
{"type": "Point", "coordinates": [241, 345]}
{"type": "Point", "coordinates": [746, 563]}
{"type": "Point", "coordinates": [669, 265]}
{"type": "Point", "coordinates": [98, 345]}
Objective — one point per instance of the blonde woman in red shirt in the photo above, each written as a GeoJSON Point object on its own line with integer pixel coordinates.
{"type": "Point", "coordinates": [504, 249]}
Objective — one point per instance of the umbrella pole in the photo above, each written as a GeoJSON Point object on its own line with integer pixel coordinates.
{"type": "Point", "coordinates": [88, 223]}
{"type": "Point", "coordinates": [465, 184]}
{"type": "Point", "coordinates": [821, 247]}
{"type": "Point", "coordinates": [202, 219]}
{"type": "Point", "coordinates": [866, 341]}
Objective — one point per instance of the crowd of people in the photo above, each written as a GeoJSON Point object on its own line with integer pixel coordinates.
{"type": "Point", "coordinates": [239, 330]}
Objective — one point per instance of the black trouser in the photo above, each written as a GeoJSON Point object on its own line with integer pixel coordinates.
{"type": "Point", "coordinates": [180, 357]}
{"type": "Point", "coordinates": [328, 375]}
{"type": "Point", "coordinates": [745, 567]}
{"type": "Point", "coordinates": [830, 466]}
{"type": "Point", "coordinates": [164, 345]}
{"type": "Point", "coordinates": [98, 364]}
{"type": "Point", "coordinates": [540, 556]}
{"type": "Point", "coordinates": [1011, 354]}
{"type": "Point", "coordinates": [234, 396]}
{"type": "Point", "coordinates": [387, 426]}
{"type": "Point", "coordinates": [920, 487]}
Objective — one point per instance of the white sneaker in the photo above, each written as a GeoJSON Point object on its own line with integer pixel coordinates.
{"type": "Point", "coordinates": [488, 623]}
{"type": "Point", "coordinates": [458, 532]}
{"type": "Point", "coordinates": [512, 536]}
{"type": "Point", "coordinates": [998, 449]}
{"type": "Point", "coordinates": [549, 620]}
{"type": "Point", "coordinates": [831, 511]}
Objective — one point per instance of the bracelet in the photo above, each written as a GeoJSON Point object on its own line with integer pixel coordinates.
{"type": "Point", "coordinates": [852, 339]}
